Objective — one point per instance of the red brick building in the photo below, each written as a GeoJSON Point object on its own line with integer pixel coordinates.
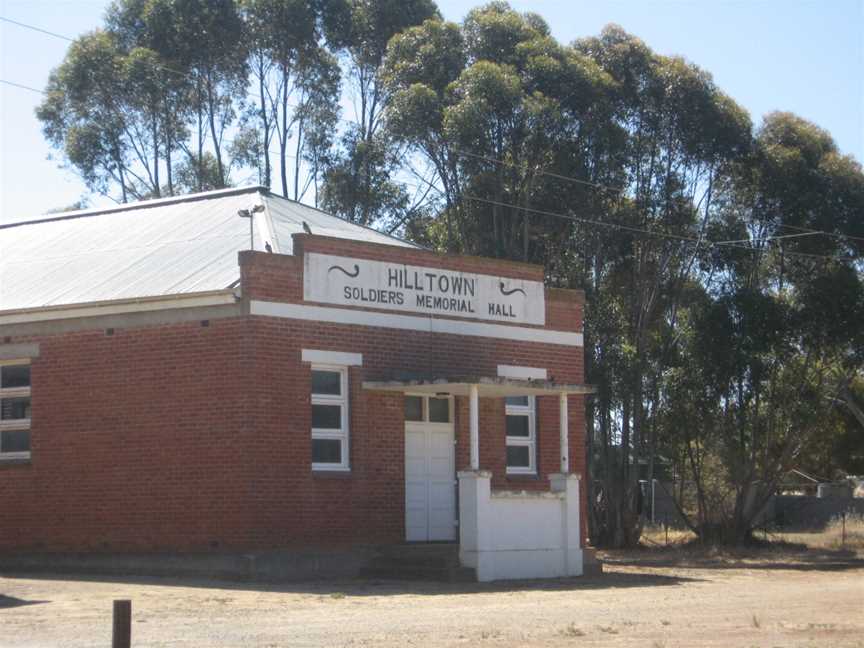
{"type": "Point", "coordinates": [165, 388]}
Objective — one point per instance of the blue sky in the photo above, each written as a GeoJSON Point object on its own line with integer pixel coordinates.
{"type": "Point", "coordinates": [805, 56]}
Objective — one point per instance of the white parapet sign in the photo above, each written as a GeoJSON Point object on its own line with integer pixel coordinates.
{"type": "Point", "coordinates": [348, 281]}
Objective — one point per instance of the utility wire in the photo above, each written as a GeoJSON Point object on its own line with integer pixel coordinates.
{"type": "Point", "coordinates": [767, 238]}
{"type": "Point", "coordinates": [22, 86]}
{"type": "Point", "coordinates": [812, 231]}
{"type": "Point", "coordinates": [37, 29]}
{"type": "Point", "coordinates": [620, 226]}
{"type": "Point", "coordinates": [807, 232]}
{"type": "Point", "coordinates": [546, 173]}
{"type": "Point", "coordinates": [160, 66]}
{"type": "Point", "coordinates": [629, 228]}
{"type": "Point", "coordinates": [226, 140]}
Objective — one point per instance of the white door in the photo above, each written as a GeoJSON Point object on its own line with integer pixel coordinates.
{"type": "Point", "coordinates": [430, 474]}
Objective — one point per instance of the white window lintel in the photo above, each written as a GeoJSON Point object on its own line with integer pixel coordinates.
{"type": "Point", "coordinates": [522, 373]}
{"type": "Point", "coordinates": [333, 358]}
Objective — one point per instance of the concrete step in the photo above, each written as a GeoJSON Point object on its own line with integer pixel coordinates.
{"type": "Point", "coordinates": [427, 561]}
{"type": "Point", "coordinates": [421, 555]}
{"type": "Point", "coordinates": [413, 573]}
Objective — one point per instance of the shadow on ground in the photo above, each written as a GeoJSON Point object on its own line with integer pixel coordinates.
{"type": "Point", "coordinates": [12, 602]}
{"type": "Point", "coordinates": [375, 587]}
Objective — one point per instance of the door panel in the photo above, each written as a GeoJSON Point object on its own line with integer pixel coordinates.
{"type": "Point", "coordinates": [430, 493]}
{"type": "Point", "coordinates": [416, 497]}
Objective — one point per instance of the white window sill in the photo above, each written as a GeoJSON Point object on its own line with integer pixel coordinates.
{"type": "Point", "coordinates": [334, 472]}
{"type": "Point", "coordinates": [11, 459]}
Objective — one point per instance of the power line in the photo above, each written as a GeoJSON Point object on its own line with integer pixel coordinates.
{"type": "Point", "coordinates": [160, 66]}
{"type": "Point", "coordinates": [812, 231]}
{"type": "Point", "coordinates": [22, 86]}
{"type": "Point", "coordinates": [546, 173]}
{"type": "Point", "coordinates": [768, 238]}
{"type": "Point", "coordinates": [37, 29]}
{"type": "Point", "coordinates": [620, 226]}
{"type": "Point", "coordinates": [807, 232]}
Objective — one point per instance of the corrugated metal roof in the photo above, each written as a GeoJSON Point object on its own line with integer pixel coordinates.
{"type": "Point", "coordinates": [151, 248]}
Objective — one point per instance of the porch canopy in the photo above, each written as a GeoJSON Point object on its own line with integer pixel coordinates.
{"type": "Point", "coordinates": [476, 386]}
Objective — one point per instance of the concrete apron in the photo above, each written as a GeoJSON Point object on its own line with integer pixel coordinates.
{"type": "Point", "coordinates": [270, 566]}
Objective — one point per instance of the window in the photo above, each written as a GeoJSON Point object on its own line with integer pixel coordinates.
{"type": "Point", "coordinates": [414, 408]}
{"type": "Point", "coordinates": [521, 423]}
{"type": "Point", "coordinates": [14, 409]}
{"type": "Point", "coordinates": [329, 418]}
{"type": "Point", "coordinates": [427, 409]}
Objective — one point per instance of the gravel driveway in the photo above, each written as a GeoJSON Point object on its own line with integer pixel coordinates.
{"type": "Point", "coordinates": [759, 603]}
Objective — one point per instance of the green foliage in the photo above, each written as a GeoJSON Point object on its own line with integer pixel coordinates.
{"type": "Point", "coordinates": [490, 106]}
{"type": "Point", "coordinates": [361, 185]}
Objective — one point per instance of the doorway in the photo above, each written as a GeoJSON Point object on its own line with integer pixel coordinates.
{"type": "Point", "coordinates": [430, 469]}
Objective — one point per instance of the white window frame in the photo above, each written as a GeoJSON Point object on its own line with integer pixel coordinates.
{"type": "Point", "coordinates": [19, 424]}
{"type": "Point", "coordinates": [529, 411]}
{"type": "Point", "coordinates": [343, 434]}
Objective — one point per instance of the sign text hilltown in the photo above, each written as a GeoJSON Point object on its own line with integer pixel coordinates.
{"type": "Point", "coordinates": [433, 291]}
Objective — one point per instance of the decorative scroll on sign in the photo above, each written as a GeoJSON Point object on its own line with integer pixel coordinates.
{"type": "Point", "coordinates": [418, 289]}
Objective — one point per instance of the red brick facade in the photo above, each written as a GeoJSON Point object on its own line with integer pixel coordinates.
{"type": "Point", "coordinates": [197, 435]}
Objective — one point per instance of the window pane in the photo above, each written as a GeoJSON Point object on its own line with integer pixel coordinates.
{"type": "Point", "coordinates": [518, 457]}
{"type": "Point", "coordinates": [521, 401]}
{"type": "Point", "coordinates": [517, 426]}
{"type": "Point", "coordinates": [328, 383]}
{"type": "Point", "coordinates": [327, 417]}
{"type": "Point", "coordinates": [14, 376]}
{"type": "Point", "coordinates": [327, 451]}
{"type": "Point", "coordinates": [413, 408]}
{"type": "Point", "coordinates": [439, 410]}
{"type": "Point", "coordinates": [15, 441]}
{"type": "Point", "coordinates": [14, 408]}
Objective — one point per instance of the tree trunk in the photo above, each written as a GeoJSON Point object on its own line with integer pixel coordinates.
{"type": "Point", "coordinates": [155, 134]}
{"type": "Point", "coordinates": [200, 115]}
{"type": "Point", "coordinates": [283, 137]}
{"type": "Point", "coordinates": [217, 146]}
{"type": "Point", "coordinates": [297, 152]}
{"type": "Point", "coordinates": [265, 123]}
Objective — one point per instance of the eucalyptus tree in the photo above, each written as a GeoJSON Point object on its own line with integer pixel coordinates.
{"type": "Point", "coordinates": [773, 350]}
{"type": "Point", "coordinates": [360, 184]}
{"type": "Point", "coordinates": [201, 43]}
{"type": "Point", "coordinates": [495, 105]}
{"type": "Point", "coordinates": [681, 133]}
{"type": "Point", "coordinates": [297, 84]}
{"type": "Point", "coordinates": [103, 112]}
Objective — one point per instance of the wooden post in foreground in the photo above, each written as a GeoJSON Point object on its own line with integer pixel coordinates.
{"type": "Point", "coordinates": [122, 634]}
{"type": "Point", "coordinates": [843, 532]}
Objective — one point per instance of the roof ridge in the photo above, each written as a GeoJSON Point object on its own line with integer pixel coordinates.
{"type": "Point", "coordinates": [140, 204]}
{"type": "Point", "coordinates": [269, 194]}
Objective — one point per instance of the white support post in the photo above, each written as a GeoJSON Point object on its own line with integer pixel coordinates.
{"type": "Point", "coordinates": [474, 418]}
{"type": "Point", "coordinates": [565, 434]}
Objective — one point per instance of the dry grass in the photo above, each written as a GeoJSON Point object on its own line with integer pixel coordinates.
{"type": "Point", "coordinates": [657, 536]}
{"type": "Point", "coordinates": [832, 537]}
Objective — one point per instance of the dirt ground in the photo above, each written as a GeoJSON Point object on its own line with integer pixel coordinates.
{"type": "Point", "coordinates": [646, 598]}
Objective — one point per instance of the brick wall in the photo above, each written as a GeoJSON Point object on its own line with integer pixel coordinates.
{"type": "Point", "coordinates": [189, 436]}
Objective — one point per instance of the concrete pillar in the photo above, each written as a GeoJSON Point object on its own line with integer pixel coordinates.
{"type": "Point", "coordinates": [474, 421]}
{"type": "Point", "coordinates": [565, 433]}
{"type": "Point", "coordinates": [475, 491]}
{"type": "Point", "coordinates": [571, 537]}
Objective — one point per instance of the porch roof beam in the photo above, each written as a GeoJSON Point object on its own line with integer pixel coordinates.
{"type": "Point", "coordinates": [487, 386]}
